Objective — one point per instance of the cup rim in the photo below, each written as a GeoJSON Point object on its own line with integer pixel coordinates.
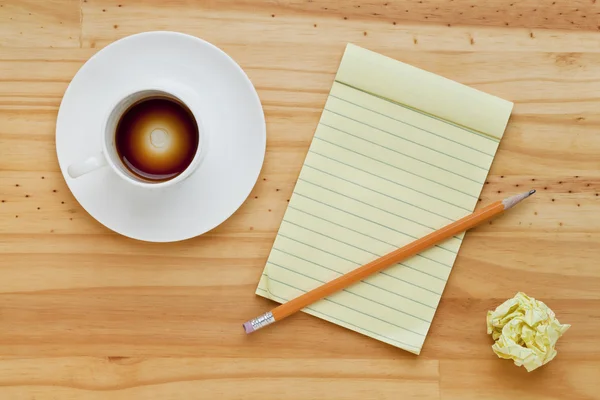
{"type": "Point", "coordinates": [187, 102]}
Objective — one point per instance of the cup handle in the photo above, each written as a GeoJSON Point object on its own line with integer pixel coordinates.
{"type": "Point", "coordinates": [86, 166]}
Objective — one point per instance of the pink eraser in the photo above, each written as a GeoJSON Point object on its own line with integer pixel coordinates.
{"type": "Point", "coordinates": [248, 327]}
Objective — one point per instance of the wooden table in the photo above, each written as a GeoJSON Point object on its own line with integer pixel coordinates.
{"type": "Point", "coordinates": [87, 314]}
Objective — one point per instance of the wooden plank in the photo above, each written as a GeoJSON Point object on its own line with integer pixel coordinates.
{"type": "Point", "coordinates": [125, 378]}
{"type": "Point", "coordinates": [32, 23]}
{"type": "Point", "coordinates": [497, 381]}
{"type": "Point", "coordinates": [532, 14]}
{"type": "Point", "coordinates": [105, 21]}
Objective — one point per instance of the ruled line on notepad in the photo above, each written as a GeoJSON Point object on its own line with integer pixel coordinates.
{"type": "Point", "coordinates": [344, 322]}
{"type": "Point", "coordinates": [363, 218]}
{"type": "Point", "coordinates": [361, 249]}
{"type": "Point", "coordinates": [394, 166]}
{"type": "Point", "coordinates": [411, 283]}
{"type": "Point", "coordinates": [364, 234]}
{"type": "Point", "coordinates": [403, 154]}
{"type": "Point", "coordinates": [386, 195]}
{"type": "Point", "coordinates": [464, 128]}
{"type": "Point", "coordinates": [368, 204]}
{"type": "Point", "coordinates": [358, 295]}
{"type": "Point", "coordinates": [363, 281]}
{"type": "Point", "coordinates": [389, 180]}
{"type": "Point", "coordinates": [411, 125]}
{"type": "Point", "coordinates": [355, 263]}
{"type": "Point", "coordinates": [402, 138]}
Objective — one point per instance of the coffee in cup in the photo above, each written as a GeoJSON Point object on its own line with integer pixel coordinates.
{"type": "Point", "coordinates": [156, 138]}
{"type": "Point", "coordinates": [151, 138]}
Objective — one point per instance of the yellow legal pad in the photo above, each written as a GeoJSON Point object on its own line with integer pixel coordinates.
{"type": "Point", "coordinates": [398, 153]}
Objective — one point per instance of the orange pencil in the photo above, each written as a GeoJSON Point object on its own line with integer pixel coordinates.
{"type": "Point", "coordinates": [411, 249]}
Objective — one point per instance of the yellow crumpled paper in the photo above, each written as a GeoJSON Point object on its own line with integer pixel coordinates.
{"type": "Point", "coordinates": [525, 330]}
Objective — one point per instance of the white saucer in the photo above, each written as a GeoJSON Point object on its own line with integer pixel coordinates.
{"type": "Point", "coordinates": [231, 113]}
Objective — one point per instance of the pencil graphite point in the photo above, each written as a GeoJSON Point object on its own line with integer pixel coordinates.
{"type": "Point", "coordinates": [514, 200]}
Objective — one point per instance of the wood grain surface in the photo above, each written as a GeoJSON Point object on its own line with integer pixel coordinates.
{"type": "Point", "coordinates": [87, 314]}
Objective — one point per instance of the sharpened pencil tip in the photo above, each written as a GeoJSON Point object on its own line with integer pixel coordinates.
{"type": "Point", "coordinates": [510, 202]}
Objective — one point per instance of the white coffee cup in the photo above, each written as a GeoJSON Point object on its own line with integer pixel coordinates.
{"type": "Point", "coordinates": [109, 156]}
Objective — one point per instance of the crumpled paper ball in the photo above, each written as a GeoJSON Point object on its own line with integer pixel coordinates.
{"type": "Point", "coordinates": [525, 330]}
